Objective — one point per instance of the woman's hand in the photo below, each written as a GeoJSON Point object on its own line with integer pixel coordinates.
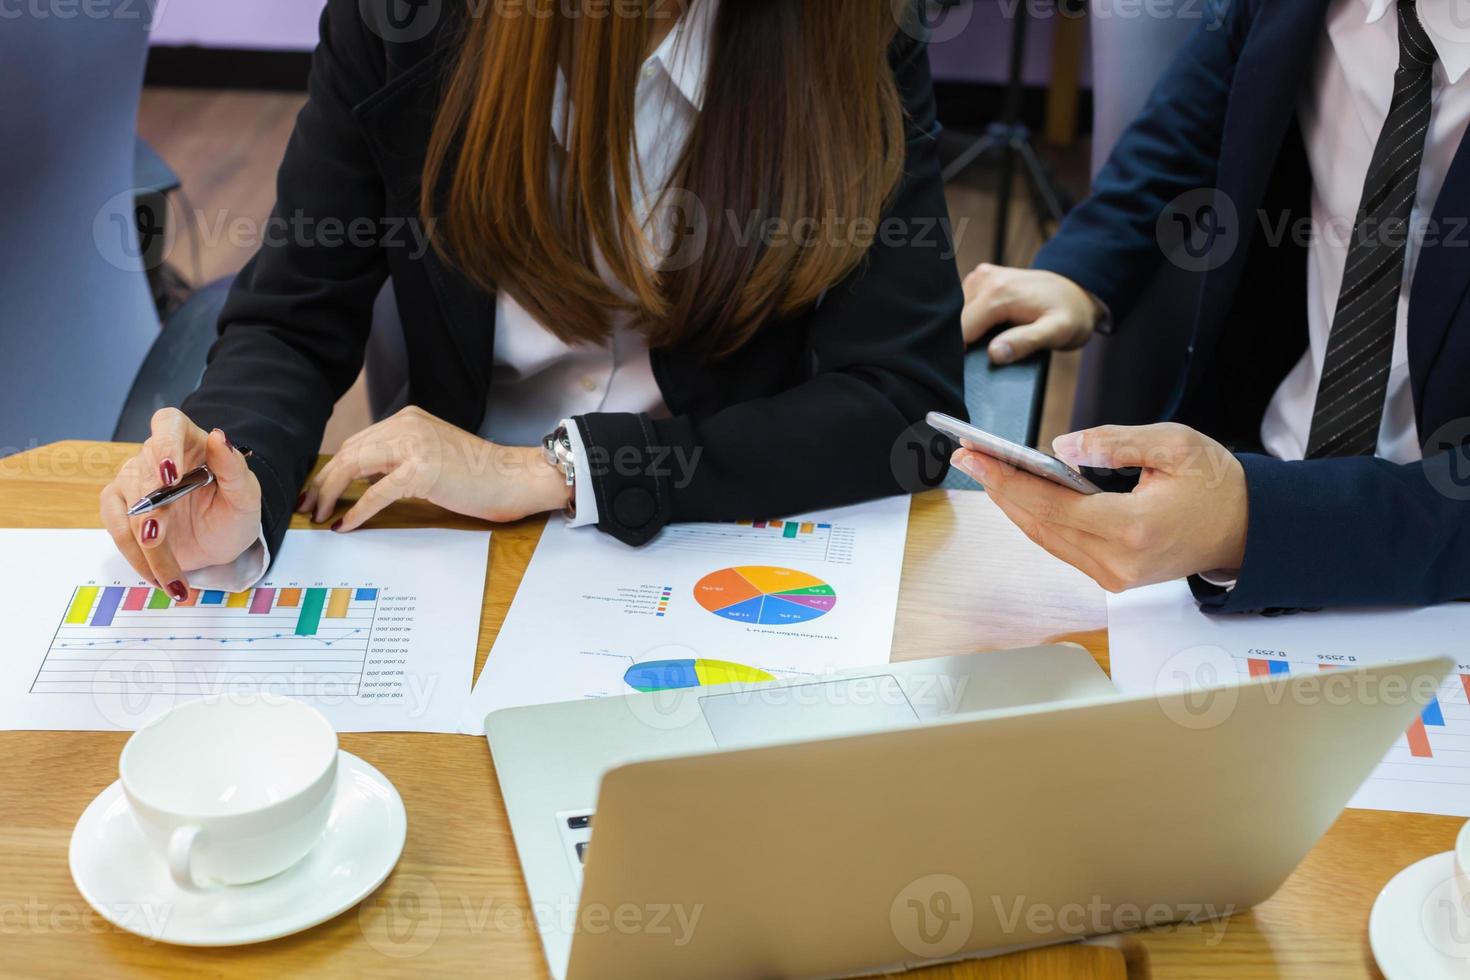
{"type": "Point", "coordinates": [1050, 312]}
{"type": "Point", "coordinates": [212, 526]}
{"type": "Point", "coordinates": [421, 457]}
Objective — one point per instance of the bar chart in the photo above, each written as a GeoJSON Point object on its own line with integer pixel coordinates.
{"type": "Point", "coordinates": [785, 540]}
{"type": "Point", "coordinates": [1453, 741]}
{"type": "Point", "coordinates": [117, 637]}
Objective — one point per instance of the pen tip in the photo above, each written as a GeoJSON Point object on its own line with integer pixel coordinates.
{"type": "Point", "coordinates": [141, 507]}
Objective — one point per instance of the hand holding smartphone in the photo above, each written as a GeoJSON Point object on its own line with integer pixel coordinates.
{"type": "Point", "coordinates": [1025, 458]}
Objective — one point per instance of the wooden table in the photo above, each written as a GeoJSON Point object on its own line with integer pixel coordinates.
{"type": "Point", "coordinates": [456, 903]}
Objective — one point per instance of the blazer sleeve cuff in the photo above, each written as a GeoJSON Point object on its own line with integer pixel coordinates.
{"type": "Point", "coordinates": [1282, 547]}
{"type": "Point", "coordinates": [241, 574]}
{"type": "Point", "coordinates": [586, 495]}
{"type": "Point", "coordinates": [625, 468]}
{"type": "Point", "coordinates": [1071, 263]}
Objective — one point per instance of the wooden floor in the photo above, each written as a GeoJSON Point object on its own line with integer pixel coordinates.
{"type": "Point", "coordinates": [226, 146]}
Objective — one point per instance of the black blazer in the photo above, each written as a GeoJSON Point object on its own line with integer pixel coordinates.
{"type": "Point", "coordinates": [806, 415]}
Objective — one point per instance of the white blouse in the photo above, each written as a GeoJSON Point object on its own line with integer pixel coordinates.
{"type": "Point", "coordinates": [538, 380]}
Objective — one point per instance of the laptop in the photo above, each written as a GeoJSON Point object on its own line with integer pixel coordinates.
{"type": "Point", "coordinates": [926, 811]}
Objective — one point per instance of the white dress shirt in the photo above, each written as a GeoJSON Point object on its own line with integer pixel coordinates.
{"type": "Point", "coordinates": [537, 380]}
{"type": "Point", "coordinates": [1342, 112]}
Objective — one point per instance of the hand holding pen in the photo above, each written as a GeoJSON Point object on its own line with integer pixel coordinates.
{"type": "Point", "coordinates": [187, 501]}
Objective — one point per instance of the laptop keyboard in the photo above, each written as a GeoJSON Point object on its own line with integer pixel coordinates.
{"type": "Point", "coordinates": [575, 827]}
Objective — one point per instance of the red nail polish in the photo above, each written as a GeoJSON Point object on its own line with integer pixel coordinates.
{"type": "Point", "coordinates": [168, 472]}
{"type": "Point", "coordinates": [338, 525]}
{"type": "Point", "coordinates": [227, 441]}
{"type": "Point", "coordinates": [300, 499]}
{"type": "Point", "coordinates": [150, 530]}
{"type": "Point", "coordinates": [178, 590]}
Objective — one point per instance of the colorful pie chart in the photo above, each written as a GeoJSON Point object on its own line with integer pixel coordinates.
{"type": "Point", "coordinates": [669, 675]}
{"type": "Point", "coordinates": [765, 595]}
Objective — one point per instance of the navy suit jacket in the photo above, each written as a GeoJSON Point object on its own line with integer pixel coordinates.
{"type": "Point", "coordinates": [1220, 128]}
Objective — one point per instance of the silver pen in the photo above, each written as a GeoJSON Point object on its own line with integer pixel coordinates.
{"type": "Point", "coordinates": [196, 479]}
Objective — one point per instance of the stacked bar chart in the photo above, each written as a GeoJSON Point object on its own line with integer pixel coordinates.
{"type": "Point", "coordinates": [670, 675]}
{"type": "Point", "coordinates": [116, 636]}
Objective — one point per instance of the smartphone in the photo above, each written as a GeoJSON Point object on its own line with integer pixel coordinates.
{"type": "Point", "coordinates": [1033, 461]}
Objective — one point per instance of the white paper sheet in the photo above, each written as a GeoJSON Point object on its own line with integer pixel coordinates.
{"type": "Point", "coordinates": [699, 604]}
{"type": "Point", "coordinates": [1160, 641]}
{"type": "Point", "coordinates": [376, 628]}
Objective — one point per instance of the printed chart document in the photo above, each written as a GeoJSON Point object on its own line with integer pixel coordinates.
{"type": "Point", "coordinates": [701, 604]}
{"type": "Point", "coordinates": [377, 629]}
{"type": "Point", "coordinates": [1160, 641]}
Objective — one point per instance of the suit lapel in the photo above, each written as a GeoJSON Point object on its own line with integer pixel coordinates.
{"type": "Point", "coordinates": [1269, 77]}
{"type": "Point", "coordinates": [1441, 275]}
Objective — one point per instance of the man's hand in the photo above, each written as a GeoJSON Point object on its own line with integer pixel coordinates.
{"type": "Point", "coordinates": [1050, 311]}
{"type": "Point", "coordinates": [1187, 514]}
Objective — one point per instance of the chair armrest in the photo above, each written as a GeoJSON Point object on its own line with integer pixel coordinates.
{"type": "Point", "coordinates": [1003, 400]}
{"type": "Point", "coordinates": [175, 363]}
{"type": "Point", "coordinates": [151, 176]}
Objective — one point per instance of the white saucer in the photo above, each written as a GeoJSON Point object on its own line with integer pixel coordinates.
{"type": "Point", "coordinates": [1412, 928]}
{"type": "Point", "coordinates": [129, 885]}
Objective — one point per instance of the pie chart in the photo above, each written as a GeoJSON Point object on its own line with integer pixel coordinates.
{"type": "Point", "coordinates": [765, 595]}
{"type": "Point", "coordinates": [669, 675]}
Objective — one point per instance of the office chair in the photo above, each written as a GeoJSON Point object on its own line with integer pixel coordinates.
{"type": "Point", "coordinates": [77, 318]}
{"type": "Point", "coordinates": [1128, 56]}
{"type": "Point", "coordinates": [153, 182]}
{"type": "Point", "coordinates": [1006, 401]}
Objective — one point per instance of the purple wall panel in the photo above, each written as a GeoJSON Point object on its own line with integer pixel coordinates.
{"type": "Point", "coordinates": [279, 25]}
{"type": "Point", "coordinates": [971, 41]}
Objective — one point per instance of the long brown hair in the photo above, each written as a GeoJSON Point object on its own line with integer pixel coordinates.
{"type": "Point", "coordinates": [801, 123]}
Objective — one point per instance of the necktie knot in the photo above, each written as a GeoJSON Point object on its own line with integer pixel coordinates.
{"type": "Point", "coordinates": [1416, 50]}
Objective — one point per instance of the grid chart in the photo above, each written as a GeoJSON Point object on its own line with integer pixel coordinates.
{"type": "Point", "coordinates": [121, 639]}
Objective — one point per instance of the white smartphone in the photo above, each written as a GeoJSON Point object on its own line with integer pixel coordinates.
{"type": "Point", "coordinates": [1033, 461]}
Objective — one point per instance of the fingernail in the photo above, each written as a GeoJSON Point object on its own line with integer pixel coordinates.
{"type": "Point", "coordinates": [150, 530]}
{"type": "Point", "coordinates": [1002, 352]}
{"type": "Point", "coordinates": [300, 499]}
{"type": "Point", "coordinates": [168, 472]}
{"type": "Point", "coordinates": [227, 438]}
{"type": "Point", "coordinates": [1068, 446]}
{"type": "Point", "coordinates": [338, 525]}
{"type": "Point", "coordinates": [178, 590]}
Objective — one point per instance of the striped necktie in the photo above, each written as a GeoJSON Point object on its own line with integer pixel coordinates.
{"type": "Point", "coordinates": [1354, 385]}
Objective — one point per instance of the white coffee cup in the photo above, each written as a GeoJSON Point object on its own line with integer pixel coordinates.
{"type": "Point", "coordinates": [231, 790]}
